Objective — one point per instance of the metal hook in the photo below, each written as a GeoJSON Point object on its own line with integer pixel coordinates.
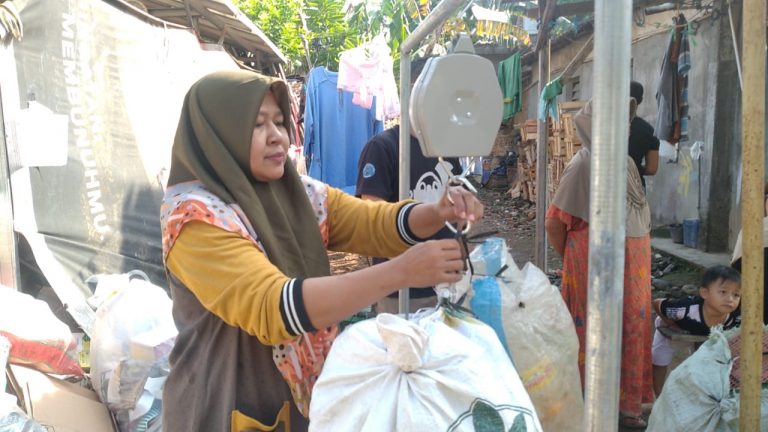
{"type": "Point", "coordinates": [456, 230]}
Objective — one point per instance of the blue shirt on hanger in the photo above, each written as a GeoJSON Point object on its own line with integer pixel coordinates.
{"type": "Point", "coordinates": [335, 131]}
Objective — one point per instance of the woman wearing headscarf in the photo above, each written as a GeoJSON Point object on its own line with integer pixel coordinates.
{"type": "Point", "coordinates": [245, 242]}
{"type": "Point", "coordinates": [567, 225]}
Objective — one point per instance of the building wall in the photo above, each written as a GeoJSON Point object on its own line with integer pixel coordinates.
{"type": "Point", "coordinates": [682, 187]}
{"type": "Point", "coordinates": [679, 190]}
{"type": "Point", "coordinates": [724, 193]}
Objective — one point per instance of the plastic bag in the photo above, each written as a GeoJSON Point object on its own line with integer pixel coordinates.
{"type": "Point", "coordinates": [38, 339]}
{"type": "Point", "coordinates": [697, 395]}
{"type": "Point", "coordinates": [12, 419]}
{"type": "Point", "coordinates": [533, 323]}
{"type": "Point", "coordinates": [445, 372]}
{"type": "Point", "coordinates": [133, 335]}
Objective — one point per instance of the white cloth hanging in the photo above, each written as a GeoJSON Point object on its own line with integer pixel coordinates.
{"type": "Point", "coordinates": [366, 72]}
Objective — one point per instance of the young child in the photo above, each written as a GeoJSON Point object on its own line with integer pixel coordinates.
{"type": "Point", "coordinates": [716, 304]}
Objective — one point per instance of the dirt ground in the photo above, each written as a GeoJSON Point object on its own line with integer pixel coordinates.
{"type": "Point", "coordinates": [515, 221]}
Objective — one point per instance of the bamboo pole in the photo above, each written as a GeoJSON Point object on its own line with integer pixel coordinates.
{"type": "Point", "coordinates": [753, 163]}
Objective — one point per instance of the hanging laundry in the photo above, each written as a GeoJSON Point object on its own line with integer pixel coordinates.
{"type": "Point", "coordinates": [548, 100]}
{"type": "Point", "coordinates": [683, 67]}
{"type": "Point", "coordinates": [335, 130]}
{"type": "Point", "coordinates": [511, 82]}
{"type": "Point", "coordinates": [366, 71]}
{"type": "Point", "coordinates": [672, 92]}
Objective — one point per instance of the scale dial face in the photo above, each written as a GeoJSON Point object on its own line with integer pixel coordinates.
{"type": "Point", "coordinates": [456, 106]}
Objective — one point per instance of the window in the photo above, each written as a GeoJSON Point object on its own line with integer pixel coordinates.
{"type": "Point", "coordinates": [575, 92]}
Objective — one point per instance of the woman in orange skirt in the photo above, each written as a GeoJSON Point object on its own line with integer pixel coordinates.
{"type": "Point", "coordinates": [568, 229]}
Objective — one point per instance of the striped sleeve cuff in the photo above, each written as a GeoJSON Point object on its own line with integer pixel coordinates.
{"type": "Point", "coordinates": [402, 225]}
{"type": "Point", "coordinates": [292, 308]}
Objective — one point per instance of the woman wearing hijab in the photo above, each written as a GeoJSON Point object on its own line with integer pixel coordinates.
{"type": "Point", "coordinates": [567, 225]}
{"type": "Point", "coordinates": [245, 242]}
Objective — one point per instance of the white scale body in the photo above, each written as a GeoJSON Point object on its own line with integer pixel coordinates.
{"type": "Point", "coordinates": [456, 104]}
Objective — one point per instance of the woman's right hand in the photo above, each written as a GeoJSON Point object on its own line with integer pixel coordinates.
{"type": "Point", "coordinates": [329, 299]}
{"type": "Point", "coordinates": [430, 263]}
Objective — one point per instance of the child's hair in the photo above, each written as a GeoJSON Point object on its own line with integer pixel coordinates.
{"type": "Point", "coordinates": [718, 272]}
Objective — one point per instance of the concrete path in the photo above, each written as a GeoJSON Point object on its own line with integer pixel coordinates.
{"type": "Point", "coordinates": [690, 255]}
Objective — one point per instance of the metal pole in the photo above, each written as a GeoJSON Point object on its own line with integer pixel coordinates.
{"type": "Point", "coordinates": [540, 255]}
{"type": "Point", "coordinates": [753, 163]}
{"type": "Point", "coordinates": [405, 127]}
{"type": "Point", "coordinates": [405, 151]}
{"type": "Point", "coordinates": [607, 213]}
{"type": "Point", "coordinates": [549, 60]}
{"type": "Point", "coordinates": [9, 263]}
{"type": "Point", "coordinates": [438, 15]}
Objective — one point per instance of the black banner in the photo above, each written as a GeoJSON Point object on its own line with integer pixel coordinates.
{"type": "Point", "coordinates": [120, 81]}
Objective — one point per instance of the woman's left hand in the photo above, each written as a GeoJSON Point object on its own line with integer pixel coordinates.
{"type": "Point", "coordinates": [459, 206]}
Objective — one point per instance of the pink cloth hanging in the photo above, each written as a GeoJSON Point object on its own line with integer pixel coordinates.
{"type": "Point", "coordinates": [366, 72]}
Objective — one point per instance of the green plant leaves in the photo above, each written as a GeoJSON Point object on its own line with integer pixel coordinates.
{"type": "Point", "coordinates": [331, 30]}
{"type": "Point", "coordinates": [485, 418]}
{"type": "Point", "coordinates": [519, 424]}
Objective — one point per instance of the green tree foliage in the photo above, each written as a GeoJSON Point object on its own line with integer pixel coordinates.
{"type": "Point", "coordinates": [329, 29]}
{"type": "Point", "coordinates": [281, 22]}
{"type": "Point", "coordinates": [396, 19]}
{"type": "Point", "coordinates": [327, 33]}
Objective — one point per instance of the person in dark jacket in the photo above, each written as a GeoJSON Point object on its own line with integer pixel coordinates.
{"type": "Point", "coordinates": [643, 145]}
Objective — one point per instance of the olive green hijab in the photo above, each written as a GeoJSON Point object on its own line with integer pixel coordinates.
{"type": "Point", "coordinates": [212, 145]}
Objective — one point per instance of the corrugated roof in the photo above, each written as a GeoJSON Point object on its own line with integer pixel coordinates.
{"type": "Point", "coordinates": [217, 21]}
